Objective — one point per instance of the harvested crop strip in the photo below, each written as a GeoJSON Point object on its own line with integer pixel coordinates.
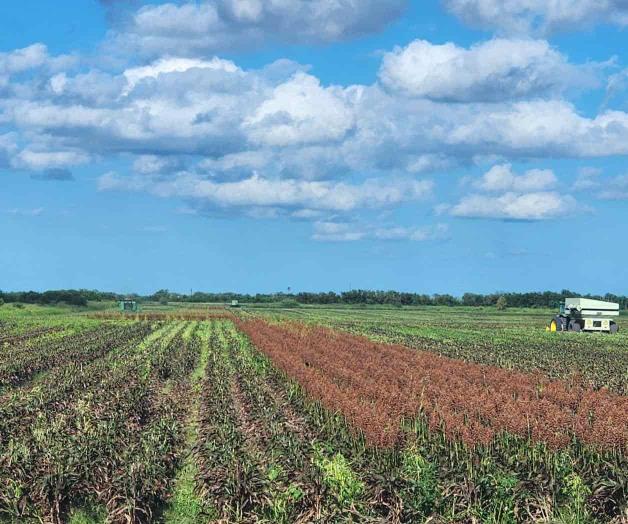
{"type": "Point", "coordinates": [167, 316]}
{"type": "Point", "coordinates": [378, 386]}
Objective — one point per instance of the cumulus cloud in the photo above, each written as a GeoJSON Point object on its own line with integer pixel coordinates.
{"type": "Point", "coordinates": [43, 160]}
{"type": "Point", "coordinates": [538, 16]}
{"type": "Point", "coordinates": [541, 128]}
{"type": "Point", "coordinates": [301, 111]}
{"type": "Point", "coordinates": [502, 178]}
{"type": "Point", "coordinates": [510, 196]}
{"type": "Point", "coordinates": [516, 206]}
{"type": "Point", "coordinates": [31, 58]}
{"type": "Point", "coordinates": [350, 232]}
{"type": "Point", "coordinates": [496, 70]}
{"type": "Point", "coordinates": [277, 141]}
{"type": "Point", "coordinates": [154, 165]}
{"type": "Point", "coordinates": [201, 28]}
{"type": "Point", "coordinates": [24, 59]}
{"type": "Point", "coordinates": [173, 65]}
{"type": "Point", "coordinates": [281, 121]}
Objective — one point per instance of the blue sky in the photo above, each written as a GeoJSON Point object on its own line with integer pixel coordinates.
{"type": "Point", "coordinates": [255, 145]}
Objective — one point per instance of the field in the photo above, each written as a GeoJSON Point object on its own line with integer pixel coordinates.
{"type": "Point", "coordinates": [309, 414]}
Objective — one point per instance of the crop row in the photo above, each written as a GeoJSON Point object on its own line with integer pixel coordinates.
{"type": "Point", "coordinates": [109, 435]}
{"type": "Point", "coordinates": [21, 363]}
{"type": "Point", "coordinates": [11, 339]}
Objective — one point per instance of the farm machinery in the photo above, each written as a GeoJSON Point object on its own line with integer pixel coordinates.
{"type": "Point", "coordinates": [584, 314]}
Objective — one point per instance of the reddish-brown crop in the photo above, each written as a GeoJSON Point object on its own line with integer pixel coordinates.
{"type": "Point", "coordinates": [377, 386]}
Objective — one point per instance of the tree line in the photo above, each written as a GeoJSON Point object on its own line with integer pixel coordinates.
{"type": "Point", "coordinates": [543, 299]}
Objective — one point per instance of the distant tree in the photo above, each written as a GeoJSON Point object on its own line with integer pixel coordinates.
{"type": "Point", "coordinates": [501, 303]}
{"type": "Point", "coordinates": [1, 302]}
{"type": "Point", "coordinates": [472, 299]}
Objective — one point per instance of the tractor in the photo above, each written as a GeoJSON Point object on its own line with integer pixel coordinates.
{"type": "Point", "coordinates": [584, 314]}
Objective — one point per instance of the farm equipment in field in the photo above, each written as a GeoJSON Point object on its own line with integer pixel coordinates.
{"type": "Point", "coordinates": [128, 306]}
{"type": "Point", "coordinates": [584, 314]}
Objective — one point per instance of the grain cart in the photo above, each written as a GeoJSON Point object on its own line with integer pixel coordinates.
{"type": "Point", "coordinates": [584, 314]}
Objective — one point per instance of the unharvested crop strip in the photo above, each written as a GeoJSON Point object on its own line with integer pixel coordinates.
{"type": "Point", "coordinates": [377, 386]}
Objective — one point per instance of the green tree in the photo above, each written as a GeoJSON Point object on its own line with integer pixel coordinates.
{"type": "Point", "coordinates": [502, 303]}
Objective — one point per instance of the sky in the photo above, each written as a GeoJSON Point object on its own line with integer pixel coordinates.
{"type": "Point", "coordinates": [443, 146]}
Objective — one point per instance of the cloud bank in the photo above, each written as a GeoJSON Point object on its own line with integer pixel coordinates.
{"type": "Point", "coordinates": [538, 16]}
{"type": "Point", "coordinates": [202, 28]}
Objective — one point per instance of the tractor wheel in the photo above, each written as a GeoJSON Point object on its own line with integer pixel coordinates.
{"type": "Point", "coordinates": [556, 324]}
{"type": "Point", "coordinates": [614, 328]}
{"type": "Point", "coordinates": [575, 326]}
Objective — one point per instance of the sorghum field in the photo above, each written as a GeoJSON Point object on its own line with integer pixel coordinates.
{"type": "Point", "coordinates": [310, 415]}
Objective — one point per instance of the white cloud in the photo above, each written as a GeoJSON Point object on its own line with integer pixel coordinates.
{"type": "Point", "coordinates": [616, 86]}
{"type": "Point", "coordinates": [350, 232]}
{"type": "Point", "coordinates": [300, 111]}
{"type": "Point", "coordinates": [286, 124]}
{"type": "Point", "coordinates": [41, 160]}
{"type": "Point", "coordinates": [21, 60]}
{"type": "Point", "coordinates": [496, 70]}
{"type": "Point", "coordinates": [153, 165]}
{"type": "Point", "coordinates": [542, 128]}
{"type": "Point", "coordinates": [591, 181]}
{"type": "Point", "coordinates": [174, 65]}
{"type": "Point", "coordinates": [337, 232]}
{"type": "Point", "coordinates": [34, 212]}
{"type": "Point", "coordinates": [31, 58]}
{"type": "Point", "coordinates": [259, 192]}
{"type": "Point", "coordinates": [538, 16]}
{"type": "Point", "coordinates": [588, 178]}
{"type": "Point", "coordinates": [8, 147]}
{"type": "Point", "coordinates": [614, 189]}
{"type": "Point", "coordinates": [199, 28]}
{"type": "Point", "coordinates": [516, 206]}
{"type": "Point", "coordinates": [279, 142]}
{"type": "Point", "coordinates": [502, 178]}
{"type": "Point", "coordinates": [527, 196]}
{"type": "Point", "coordinates": [417, 234]}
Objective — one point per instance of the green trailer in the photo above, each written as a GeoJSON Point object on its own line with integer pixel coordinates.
{"type": "Point", "coordinates": [129, 306]}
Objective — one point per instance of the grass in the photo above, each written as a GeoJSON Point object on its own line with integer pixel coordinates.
{"type": "Point", "coordinates": [88, 516]}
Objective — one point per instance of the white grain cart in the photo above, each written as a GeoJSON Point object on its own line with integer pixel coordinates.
{"type": "Point", "coordinates": [584, 314]}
